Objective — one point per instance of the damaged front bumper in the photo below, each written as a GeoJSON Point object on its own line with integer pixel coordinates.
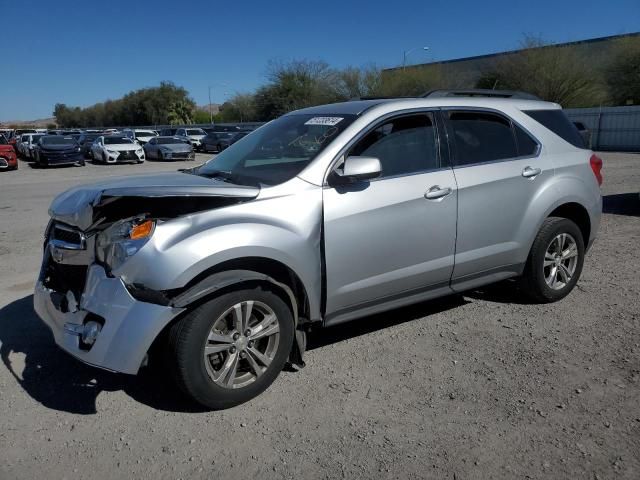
{"type": "Point", "coordinates": [129, 326]}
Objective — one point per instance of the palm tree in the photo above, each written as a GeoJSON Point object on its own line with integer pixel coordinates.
{"type": "Point", "coordinates": [179, 113]}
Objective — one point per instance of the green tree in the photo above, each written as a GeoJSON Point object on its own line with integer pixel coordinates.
{"type": "Point", "coordinates": [239, 108]}
{"type": "Point", "coordinates": [180, 113]}
{"type": "Point", "coordinates": [295, 85]}
{"type": "Point", "coordinates": [201, 116]}
{"type": "Point", "coordinates": [147, 106]}
{"type": "Point", "coordinates": [623, 73]}
{"type": "Point", "coordinates": [555, 74]}
{"type": "Point", "coordinates": [411, 81]}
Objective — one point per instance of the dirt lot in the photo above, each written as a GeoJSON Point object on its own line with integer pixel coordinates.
{"type": "Point", "coordinates": [473, 386]}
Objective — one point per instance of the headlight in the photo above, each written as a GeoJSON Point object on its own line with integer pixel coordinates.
{"type": "Point", "coordinates": [122, 240]}
{"type": "Point", "coordinates": [139, 151]}
{"type": "Point", "coordinates": [113, 152]}
{"type": "Point", "coordinates": [78, 149]}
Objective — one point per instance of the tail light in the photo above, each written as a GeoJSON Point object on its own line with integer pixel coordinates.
{"type": "Point", "coordinates": [596, 165]}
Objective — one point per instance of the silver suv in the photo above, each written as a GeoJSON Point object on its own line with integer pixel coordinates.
{"type": "Point", "coordinates": [322, 216]}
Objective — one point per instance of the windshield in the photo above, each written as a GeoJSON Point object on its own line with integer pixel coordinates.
{"type": "Point", "coordinates": [196, 131]}
{"type": "Point", "coordinates": [35, 138]}
{"type": "Point", "coordinates": [57, 140]}
{"type": "Point", "coordinates": [88, 138]}
{"type": "Point", "coordinates": [278, 151]}
{"type": "Point", "coordinates": [116, 140]}
{"type": "Point", "coordinates": [3, 140]}
{"type": "Point", "coordinates": [144, 134]}
{"type": "Point", "coordinates": [170, 140]}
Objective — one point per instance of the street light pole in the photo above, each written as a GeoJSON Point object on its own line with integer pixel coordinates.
{"type": "Point", "coordinates": [407, 52]}
{"type": "Point", "coordinates": [210, 107]}
{"type": "Point", "coordinates": [210, 110]}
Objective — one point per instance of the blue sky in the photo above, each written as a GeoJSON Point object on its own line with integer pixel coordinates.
{"type": "Point", "coordinates": [83, 52]}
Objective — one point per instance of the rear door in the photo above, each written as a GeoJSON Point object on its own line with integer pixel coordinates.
{"type": "Point", "coordinates": [499, 170]}
{"type": "Point", "coordinates": [384, 240]}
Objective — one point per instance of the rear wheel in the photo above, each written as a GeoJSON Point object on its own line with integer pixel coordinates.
{"type": "Point", "coordinates": [230, 349]}
{"type": "Point", "coordinates": [555, 261]}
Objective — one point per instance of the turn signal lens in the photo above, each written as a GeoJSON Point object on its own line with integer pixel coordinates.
{"type": "Point", "coordinates": [142, 230]}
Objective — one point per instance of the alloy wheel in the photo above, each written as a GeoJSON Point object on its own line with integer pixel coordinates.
{"type": "Point", "coordinates": [560, 261]}
{"type": "Point", "coordinates": [241, 345]}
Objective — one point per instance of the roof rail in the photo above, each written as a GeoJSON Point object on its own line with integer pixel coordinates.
{"type": "Point", "coordinates": [479, 92]}
{"type": "Point", "coordinates": [375, 97]}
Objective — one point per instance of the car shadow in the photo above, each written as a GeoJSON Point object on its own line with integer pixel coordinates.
{"type": "Point", "coordinates": [322, 337]}
{"type": "Point", "coordinates": [59, 382]}
{"type": "Point", "coordinates": [622, 204]}
{"type": "Point", "coordinates": [505, 291]}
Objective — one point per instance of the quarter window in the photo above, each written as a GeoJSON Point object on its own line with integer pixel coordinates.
{"type": "Point", "coordinates": [404, 145]}
{"type": "Point", "coordinates": [481, 137]}
{"type": "Point", "coordinates": [527, 146]}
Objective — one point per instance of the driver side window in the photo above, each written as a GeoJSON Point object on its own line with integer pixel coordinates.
{"type": "Point", "coordinates": [404, 145]}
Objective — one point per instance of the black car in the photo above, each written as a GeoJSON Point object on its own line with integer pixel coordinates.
{"type": "Point", "coordinates": [221, 128]}
{"type": "Point", "coordinates": [85, 141]}
{"type": "Point", "coordinates": [58, 150]}
{"type": "Point", "coordinates": [168, 132]}
{"type": "Point", "coordinates": [218, 141]}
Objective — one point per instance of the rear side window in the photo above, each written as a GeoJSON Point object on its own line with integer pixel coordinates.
{"type": "Point", "coordinates": [404, 145]}
{"type": "Point", "coordinates": [558, 123]}
{"type": "Point", "coordinates": [481, 137]}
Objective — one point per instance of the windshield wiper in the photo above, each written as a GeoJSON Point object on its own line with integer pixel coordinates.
{"type": "Point", "coordinates": [225, 175]}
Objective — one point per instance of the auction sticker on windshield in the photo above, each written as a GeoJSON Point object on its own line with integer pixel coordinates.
{"type": "Point", "coordinates": [328, 121]}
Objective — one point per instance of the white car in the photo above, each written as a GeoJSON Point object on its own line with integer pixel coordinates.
{"type": "Point", "coordinates": [116, 149]}
{"type": "Point", "coordinates": [27, 143]}
{"type": "Point", "coordinates": [195, 136]}
{"type": "Point", "coordinates": [141, 136]}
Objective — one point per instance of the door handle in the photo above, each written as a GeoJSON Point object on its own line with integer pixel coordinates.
{"type": "Point", "coordinates": [529, 172]}
{"type": "Point", "coordinates": [436, 192]}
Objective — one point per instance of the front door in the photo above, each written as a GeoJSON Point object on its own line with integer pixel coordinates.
{"type": "Point", "coordinates": [384, 239]}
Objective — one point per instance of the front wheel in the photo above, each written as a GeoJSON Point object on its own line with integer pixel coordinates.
{"type": "Point", "coordinates": [231, 348]}
{"type": "Point", "coordinates": [555, 261]}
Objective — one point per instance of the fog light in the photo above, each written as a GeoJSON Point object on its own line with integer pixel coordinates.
{"type": "Point", "coordinates": [90, 332]}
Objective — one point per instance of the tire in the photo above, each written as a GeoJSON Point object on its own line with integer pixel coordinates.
{"type": "Point", "coordinates": [104, 158]}
{"type": "Point", "coordinates": [160, 156]}
{"type": "Point", "coordinates": [539, 282]}
{"type": "Point", "coordinates": [195, 373]}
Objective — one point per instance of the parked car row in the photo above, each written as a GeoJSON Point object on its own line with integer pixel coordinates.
{"type": "Point", "coordinates": [131, 145]}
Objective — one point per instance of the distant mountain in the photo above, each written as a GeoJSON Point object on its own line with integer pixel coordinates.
{"type": "Point", "coordinates": [40, 123]}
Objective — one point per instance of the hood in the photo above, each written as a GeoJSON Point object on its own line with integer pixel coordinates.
{"type": "Point", "coordinates": [119, 147]}
{"type": "Point", "coordinates": [176, 147]}
{"type": "Point", "coordinates": [165, 195]}
{"type": "Point", "coordinates": [58, 148]}
{"type": "Point", "coordinates": [196, 137]}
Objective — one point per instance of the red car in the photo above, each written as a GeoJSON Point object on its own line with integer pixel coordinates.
{"type": "Point", "coordinates": [8, 158]}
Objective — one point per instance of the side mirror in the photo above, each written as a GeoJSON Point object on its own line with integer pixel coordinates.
{"type": "Point", "coordinates": [356, 169]}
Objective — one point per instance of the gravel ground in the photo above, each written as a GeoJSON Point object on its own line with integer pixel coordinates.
{"type": "Point", "coordinates": [473, 386]}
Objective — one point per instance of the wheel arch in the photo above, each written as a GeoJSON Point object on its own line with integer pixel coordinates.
{"type": "Point", "coordinates": [247, 270]}
{"type": "Point", "coordinates": [578, 214]}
